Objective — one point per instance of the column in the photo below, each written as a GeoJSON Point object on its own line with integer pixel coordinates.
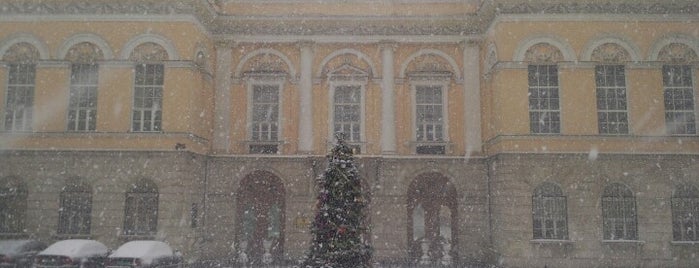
{"type": "Point", "coordinates": [222, 116]}
{"type": "Point", "coordinates": [306, 99]}
{"type": "Point", "coordinates": [472, 97]}
{"type": "Point", "coordinates": [388, 119]}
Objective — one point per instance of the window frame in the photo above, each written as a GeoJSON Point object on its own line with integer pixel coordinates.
{"type": "Point", "coordinates": [629, 219]}
{"type": "Point", "coordinates": [134, 216]}
{"type": "Point", "coordinates": [90, 88]}
{"type": "Point", "coordinates": [692, 197]}
{"type": "Point", "coordinates": [360, 82]}
{"type": "Point", "coordinates": [82, 197]}
{"type": "Point", "coordinates": [265, 79]}
{"type": "Point", "coordinates": [549, 99]}
{"type": "Point", "coordinates": [18, 203]}
{"type": "Point", "coordinates": [153, 112]}
{"type": "Point", "coordinates": [692, 112]}
{"type": "Point", "coordinates": [540, 200]}
{"type": "Point", "coordinates": [607, 112]}
{"type": "Point", "coordinates": [442, 80]}
{"type": "Point", "coordinates": [27, 120]}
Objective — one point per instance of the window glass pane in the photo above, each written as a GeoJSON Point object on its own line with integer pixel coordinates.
{"type": "Point", "coordinates": [611, 99]}
{"type": "Point", "coordinates": [429, 113]}
{"type": "Point", "coordinates": [19, 97]}
{"type": "Point", "coordinates": [543, 99]}
{"type": "Point", "coordinates": [148, 97]}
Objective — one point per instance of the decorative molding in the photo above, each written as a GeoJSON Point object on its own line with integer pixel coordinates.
{"type": "Point", "coordinates": [608, 52]}
{"type": "Point", "coordinates": [89, 38]}
{"type": "Point", "coordinates": [38, 44]}
{"type": "Point", "coordinates": [265, 52]}
{"type": "Point", "coordinates": [525, 46]}
{"type": "Point", "coordinates": [97, 7]}
{"type": "Point", "coordinates": [345, 51]}
{"type": "Point", "coordinates": [433, 52]}
{"type": "Point", "coordinates": [149, 38]}
{"type": "Point", "coordinates": [675, 38]}
{"type": "Point", "coordinates": [575, 7]}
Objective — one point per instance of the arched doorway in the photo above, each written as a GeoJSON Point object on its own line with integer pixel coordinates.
{"type": "Point", "coordinates": [260, 219]}
{"type": "Point", "coordinates": [432, 219]}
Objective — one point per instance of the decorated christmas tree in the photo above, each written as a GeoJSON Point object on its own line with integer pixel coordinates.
{"type": "Point", "coordinates": [338, 225]}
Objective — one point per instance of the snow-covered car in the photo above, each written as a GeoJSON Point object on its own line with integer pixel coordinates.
{"type": "Point", "coordinates": [19, 253]}
{"type": "Point", "coordinates": [144, 253]}
{"type": "Point", "coordinates": [78, 253]}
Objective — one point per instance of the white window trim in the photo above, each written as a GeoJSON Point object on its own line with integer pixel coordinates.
{"type": "Point", "coordinates": [351, 81]}
{"type": "Point", "coordinates": [427, 79]}
{"type": "Point", "coordinates": [274, 79]}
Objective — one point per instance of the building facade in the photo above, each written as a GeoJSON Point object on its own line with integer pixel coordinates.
{"type": "Point", "coordinates": [488, 132]}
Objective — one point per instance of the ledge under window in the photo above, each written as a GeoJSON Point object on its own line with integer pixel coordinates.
{"type": "Point", "coordinates": [13, 235]}
{"type": "Point", "coordinates": [552, 241]}
{"type": "Point", "coordinates": [623, 242]}
{"type": "Point", "coordinates": [684, 243]}
{"type": "Point", "coordinates": [126, 237]}
{"type": "Point", "coordinates": [72, 236]}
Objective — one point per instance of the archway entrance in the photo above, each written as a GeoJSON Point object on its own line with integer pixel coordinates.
{"type": "Point", "coordinates": [260, 219]}
{"type": "Point", "coordinates": [432, 219]}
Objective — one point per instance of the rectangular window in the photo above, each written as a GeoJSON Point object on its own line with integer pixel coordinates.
{"type": "Point", "coordinates": [611, 99]}
{"type": "Point", "coordinates": [82, 108]}
{"type": "Point", "coordinates": [19, 100]}
{"type": "Point", "coordinates": [429, 119]}
{"type": "Point", "coordinates": [148, 98]}
{"type": "Point", "coordinates": [544, 109]}
{"type": "Point", "coordinates": [347, 116]}
{"type": "Point", "coordinates": [679, 100]}
{"type": "Point", "coordinates": [265, 119]}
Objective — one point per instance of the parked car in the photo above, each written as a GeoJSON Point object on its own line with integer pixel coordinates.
{"type": "Point", "coordinates": [79, 253]}
{"type": "Point", "coordinates": [144, 253]}
{"type": "Point", "coordinates": [19, 253]}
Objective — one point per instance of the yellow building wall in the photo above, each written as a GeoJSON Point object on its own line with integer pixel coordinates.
{"type": "Point", "coordinates": [114, 98]}
{"type": "Point", "coordinates": [578, 100]}
{"type": "Point", "coordinates": [51, 95]}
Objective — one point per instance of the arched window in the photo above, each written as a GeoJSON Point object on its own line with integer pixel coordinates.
{"type": "Point", "coordinates": [148, 87]}
{"type": "Point", "coordinates": [549, 212]}
{"type": "Point", "coordinates": [82, 107]}
{"type": "Point", "coordinates": [141, 209]}
{"type": "Point", "coordinates": [619, 213]}
{"type": "Point", "coordinates": [19, 101]}
{"type": "Point", "coordinates": [685, 213]}
{"type": "Point", "coordinates": [74, 215]}
{"type": "Point", "coordinates": [13, 205]}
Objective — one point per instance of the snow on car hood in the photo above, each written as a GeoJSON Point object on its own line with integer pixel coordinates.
{"type": "Point", "coordinates": [144, 250]}
{"type": "Point", "coordinates": [12, 246]}
{"type": "Point", "coordinates": [76, 248]}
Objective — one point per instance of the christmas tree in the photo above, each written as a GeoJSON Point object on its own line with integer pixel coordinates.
{"type": "Point", "coordinates": [337, 228]}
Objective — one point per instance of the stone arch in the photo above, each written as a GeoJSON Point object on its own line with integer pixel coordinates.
{"type": "Point", "coordinates": [607, 46]}
{"type": "Point", "coordinates": [93, 39]}
{"type": "Point", "coordinates": [260, 215]}
{"type": "Point", "coordinates": [264, 51]}
{"type": "Point", "coordinates": [566, 51]}
{"type": "Point", "coordinates": [431, 52]}
{"type": "Point", "coordinates": [40, 46]}
{"type": "Point", "coordinates": [674, 48]}
{"type": "Point", "coordinates": [337, 53]}
{"type": "Point", "coordinates": [434, 193]}
{"type": "Point", "coordinates": [163, 42]}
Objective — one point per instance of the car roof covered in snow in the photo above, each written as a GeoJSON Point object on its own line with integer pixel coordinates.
{"type": "Point", "coordinates": [76, 248]}
{"type": "Point", "coordinates": [8, 247]}
{"type": "Point", "coordinates": [146, 250]}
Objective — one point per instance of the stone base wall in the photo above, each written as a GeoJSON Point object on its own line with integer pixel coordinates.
{"type": "Point", "coordinates": [582, 178]}
{"type": "Point", "coordinates": [494, 202]}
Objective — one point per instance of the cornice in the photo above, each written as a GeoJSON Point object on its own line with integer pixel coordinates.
{"type": "Point", "coordinates": [661, 7]}
{"type": "Point", "coordinates": [207, 13]}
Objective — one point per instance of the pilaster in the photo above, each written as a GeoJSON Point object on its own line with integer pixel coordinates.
{"type": "Point", "coordinates": [472, 97]}
{"type": "Point", "coordinates": [222, 118]}
{"type": "Point", "coordinates": [306, 99]}
{"type": "Point", "coordinates": [388, 124]}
